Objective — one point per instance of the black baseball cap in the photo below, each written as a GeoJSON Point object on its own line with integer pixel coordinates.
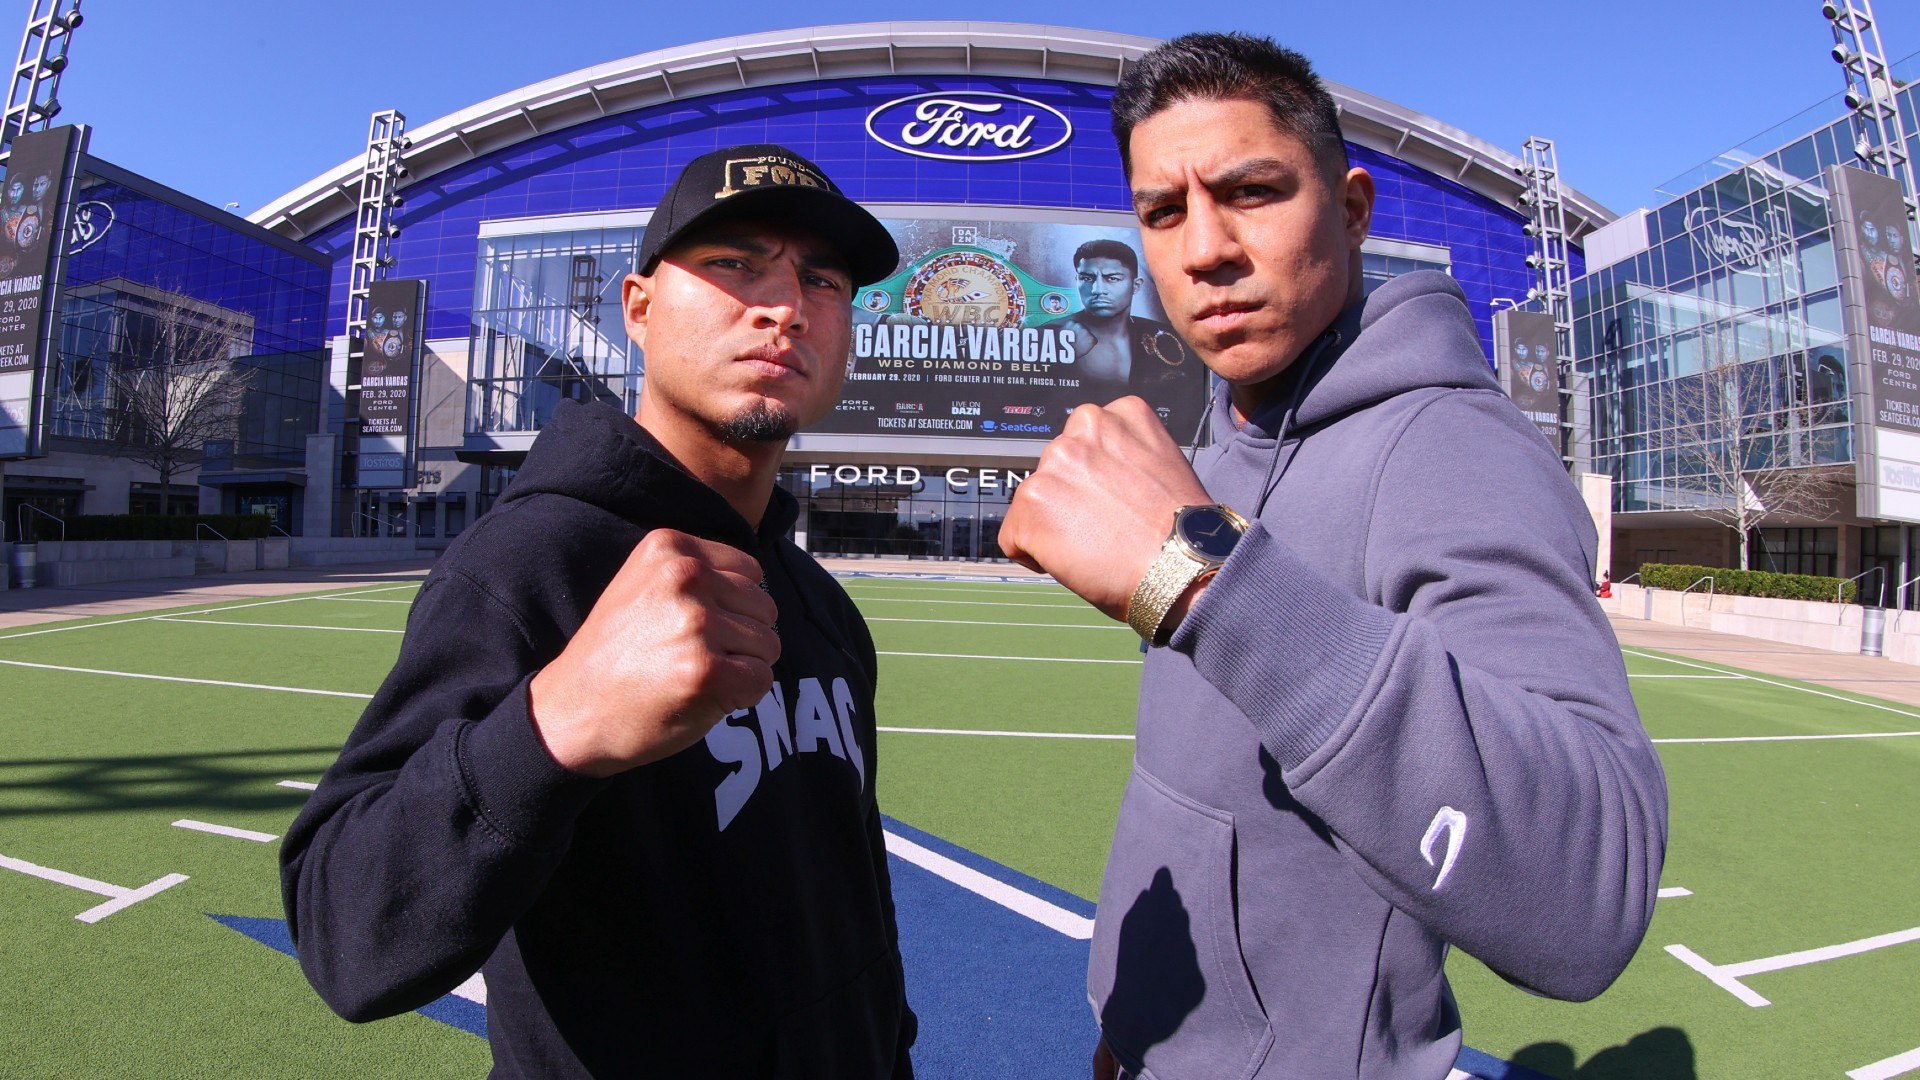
{"type": "Point", "coordinates": [773, 183]}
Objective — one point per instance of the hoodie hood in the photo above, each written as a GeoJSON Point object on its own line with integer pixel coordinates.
{"type": "Point", "coordinates": [601, 456]}
{"type": "Point", "coordinates": [1415, 331]}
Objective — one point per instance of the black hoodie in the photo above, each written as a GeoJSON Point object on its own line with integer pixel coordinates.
{"type": "Point", "coordinates": [724, 912]}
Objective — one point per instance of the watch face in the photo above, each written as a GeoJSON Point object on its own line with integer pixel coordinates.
{"type": "Point", "coordinates": [1209, 532]}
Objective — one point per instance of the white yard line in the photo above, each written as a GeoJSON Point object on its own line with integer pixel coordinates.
{"type": "Point", "coordinates": [359, 600]}
{"type": "Point", "coordinates": [1049, 915]}
{"type": "Point", "coordinates": [1674, 893]}
{"type": "Point", "coordinates": [276, 625]}
{"type": "Point", "coordinates": [1004, 734]}
{"type": "Point", "coordinates": [1708, 678]}
{"type": "Point", "coordinates": [180, 679]}
{"type": "Point", "coordinates": [1897, 1065]}
{"type": "Point", "coordinates": [201, 611]}
{"type": "Point", "coordinates": [474, 989]}
{"type": "Point", "coordinates": [1728, 976]}
{"type": "Point", "coordinates": [985, 622]}
{"type": "Point", "coordinates": [117, 897]}
{"type": "Point", "coordinates": [1771, 682]}
{"type": "Point", "coordinates": [1035, 659]}
{"type": "Point", "coordinates": [225, 830]}
{"type": "Point", "coordinates": [298, 785]}
{"type": "Point", "coordinates": [1792, 738]}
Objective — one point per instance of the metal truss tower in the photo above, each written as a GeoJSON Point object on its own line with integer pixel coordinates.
{"type": "Point", "coordinates": [374, 229]}
{"type": "Point", "coordinates": [1879, 132]}
{"type": "Point", "coordinates": [1546, 204]}
{"type": "Point", "coordinates": [32, 99]}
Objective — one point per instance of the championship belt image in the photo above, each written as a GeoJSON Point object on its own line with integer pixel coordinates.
{"type": "Point", "coordinates": [1165, 345]}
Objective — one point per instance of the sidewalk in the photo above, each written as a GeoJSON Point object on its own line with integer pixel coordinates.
{"type": "Point", "coordinates": [25, 607]}
{"type": "Point", "coordinates": [932, 567]}
{"type": "Point", "coordinates": [1873, 675]}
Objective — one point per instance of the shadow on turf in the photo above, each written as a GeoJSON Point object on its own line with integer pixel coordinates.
{"type": "Point", "coordinates": [1662, 1053]}
{"type": "Point", "coordinates": [236, 780]}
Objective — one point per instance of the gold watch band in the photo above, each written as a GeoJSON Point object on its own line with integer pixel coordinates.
{"type": "Point", "coordinates": [1166, 580]}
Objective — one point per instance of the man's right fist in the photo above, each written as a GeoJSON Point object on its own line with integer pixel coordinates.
{"type": "Point", "coordinates": [682, 636]}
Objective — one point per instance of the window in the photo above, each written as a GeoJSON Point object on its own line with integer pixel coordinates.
{"type": "Point", "coordinates": [1377, 269]}
{"type": "Point", "coordinates": [1794, 551]}
{"type": "Point", "coordinates": [547, 326]}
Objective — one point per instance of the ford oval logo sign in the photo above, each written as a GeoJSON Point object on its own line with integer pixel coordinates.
{"type": "Point", "coordinates": [969, 125]}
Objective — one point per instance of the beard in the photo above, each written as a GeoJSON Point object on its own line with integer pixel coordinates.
{"type": "Point", "coordinates": [762, 422]}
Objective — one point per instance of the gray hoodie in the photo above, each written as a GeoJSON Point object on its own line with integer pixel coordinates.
{"type": "Point", "coordinates": [1396, 721]}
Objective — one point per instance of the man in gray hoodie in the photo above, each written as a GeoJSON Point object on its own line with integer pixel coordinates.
{"type": "Point", "coordinates": [1383, 714]}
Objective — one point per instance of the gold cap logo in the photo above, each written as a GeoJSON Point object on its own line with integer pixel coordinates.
{"type": "Point", "coordinates": [767, 170]}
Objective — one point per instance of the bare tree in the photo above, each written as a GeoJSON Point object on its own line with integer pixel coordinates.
{"type": "Point", "coordinates": [1741, 445]}
{"type": "Point", "coordinates": [177, 384]}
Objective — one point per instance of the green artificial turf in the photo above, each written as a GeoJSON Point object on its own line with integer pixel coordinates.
{"type": "Point", "coordinates": [1786, 846]}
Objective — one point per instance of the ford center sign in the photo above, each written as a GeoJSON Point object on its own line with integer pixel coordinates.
{"type": "Point", "coordinates": [969, 125]}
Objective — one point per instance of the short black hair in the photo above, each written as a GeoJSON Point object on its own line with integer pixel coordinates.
{"type": "Point", "coordinates": [1108, 249]}
{"type": "Point", "coordinates": [1232, 67]}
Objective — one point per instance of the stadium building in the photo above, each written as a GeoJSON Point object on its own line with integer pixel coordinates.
{"type": "Point", "coordinates": [1754, 340]}
{"type": "Point", "coordinates": [985, 147]}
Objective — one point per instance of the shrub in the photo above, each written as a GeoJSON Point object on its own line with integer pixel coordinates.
{"type": "Point", "coordinates": [159, 527]}
{"type": "Point", "coordinates": [1748, 582]}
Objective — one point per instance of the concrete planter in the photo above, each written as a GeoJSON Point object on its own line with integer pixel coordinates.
{"type": "Point", "coordinates": [346, 550]}
{"type": "Point", "coordinates": [1834, 627]}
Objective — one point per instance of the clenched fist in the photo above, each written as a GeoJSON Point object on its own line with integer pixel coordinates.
{"type": "Point", "coordinates": [682, 636]}
{"type": "Point", "coordinates": [1099, 506]}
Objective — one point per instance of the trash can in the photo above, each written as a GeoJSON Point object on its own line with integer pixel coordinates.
{"type": "Point", "coordinates": [1873, 630]}
{"type": "Point", "coordinates": [26, 562]}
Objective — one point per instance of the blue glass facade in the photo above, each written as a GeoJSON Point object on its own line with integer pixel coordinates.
{"type": "Point", "coordinates": [1738, 284]}
{"type": "Point", "coordinates": [625, 162]}
{"type": "Point", "coordinates": [147, 266]}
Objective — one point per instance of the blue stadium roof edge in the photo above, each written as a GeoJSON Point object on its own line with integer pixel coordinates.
{"type": "Point", "coordinates": [879, 48]}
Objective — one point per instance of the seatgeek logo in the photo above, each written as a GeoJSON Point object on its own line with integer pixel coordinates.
{"type": "Point", "coordinates": [1016, 429]}
{"type": "Point", "coordinates": [969, 125]}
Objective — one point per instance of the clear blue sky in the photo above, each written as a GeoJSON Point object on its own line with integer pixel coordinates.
{"type": "Point", "coordinates": [243, 100]}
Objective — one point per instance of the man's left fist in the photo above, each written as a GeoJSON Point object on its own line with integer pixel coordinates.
{"type": "Point", "coordinates": [1099, 506]}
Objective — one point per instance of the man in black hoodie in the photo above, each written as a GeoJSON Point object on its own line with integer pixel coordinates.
{"type": "Point", "coordinates": [624, 766]}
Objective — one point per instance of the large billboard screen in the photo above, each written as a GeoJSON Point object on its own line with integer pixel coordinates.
{"type": "Point", "coordinates": [1529, 359]}
{"type": "Point", "coordinates": [1883, 334]}
{"type": "Point", "coordinates": [997, 329]}
{"type": "Point", "coordinates": [30, 221]}
{"type": "Point", "coordinates": [388, 363]}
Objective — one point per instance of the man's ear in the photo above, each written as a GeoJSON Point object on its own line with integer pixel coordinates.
{"type": "Point", "coordinates": [636, 304]}
{"type": "Point", "coordinates": [1356, 198]}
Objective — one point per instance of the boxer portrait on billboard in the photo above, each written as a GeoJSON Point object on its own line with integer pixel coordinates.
{"type": "Point", "coordinates": [1120, 353]}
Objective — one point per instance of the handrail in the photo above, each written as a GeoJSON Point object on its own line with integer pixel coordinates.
{"type": "Point", "coordinates": [1840, 589]}
{"type": "Point", "coordinates": [381, 523]}
{"type": "Point", "coordinates": [1900, 599]}
{"type": "Point", "coordinates": [1709, 579]}
{"type": "Point", "coordinates": [279, 530]}
{"type": "Point", "coordinates": [21, 528]}
{"type": "Point", "coordinates": [1628, 578]}
{"type": "Point", "coordinates": [198, 525]}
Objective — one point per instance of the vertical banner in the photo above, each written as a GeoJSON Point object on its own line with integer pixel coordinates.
{"type": "Point", "coordinates": [388, 364]}
{"type": "Point", "coordinates": [1530, 367]}
{"type": "Point", "coordinates": [1883, 339]}
{"type": "Point", "coordinates": [31, 221]}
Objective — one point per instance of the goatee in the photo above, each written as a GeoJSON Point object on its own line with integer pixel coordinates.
{"type": "Point", "coordinates": [763, 422]}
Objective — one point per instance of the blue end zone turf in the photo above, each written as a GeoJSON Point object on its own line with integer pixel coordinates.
{"type": "Point", "coordinates": [455, 1011]}
{"type": "Point", "coordinates": [997, 993]}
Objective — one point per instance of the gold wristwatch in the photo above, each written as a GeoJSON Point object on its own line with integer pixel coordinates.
{"type": "Point", "coordinates": [1200, 541]}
